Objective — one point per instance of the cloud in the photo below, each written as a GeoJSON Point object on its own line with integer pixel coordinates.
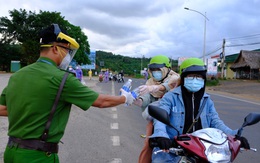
{"type": "Point", "coordinates": [150, 27]}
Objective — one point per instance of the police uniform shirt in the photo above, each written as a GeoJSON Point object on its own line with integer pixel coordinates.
{"type": "Point", "coordinates": [29, 97]}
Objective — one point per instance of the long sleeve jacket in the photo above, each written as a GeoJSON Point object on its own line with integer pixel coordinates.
{"type": "Point", "coordinates": [173, 103]}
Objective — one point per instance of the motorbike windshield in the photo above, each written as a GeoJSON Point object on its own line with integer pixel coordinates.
{"type": "Point", "coordinates": [211, 134]}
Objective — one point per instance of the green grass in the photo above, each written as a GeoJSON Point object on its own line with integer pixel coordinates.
{"type": "Point", "coordinates": [214, 82]}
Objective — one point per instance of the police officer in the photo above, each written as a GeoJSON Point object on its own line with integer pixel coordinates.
{"type": "Point", "coordinates": [31, 92]}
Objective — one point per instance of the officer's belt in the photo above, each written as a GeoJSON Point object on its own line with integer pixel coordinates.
{"type": "Point", "coordinates": [33, 144]}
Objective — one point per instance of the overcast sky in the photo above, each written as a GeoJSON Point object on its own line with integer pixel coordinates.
{"type": "Point", "coordinates": [149, 27]}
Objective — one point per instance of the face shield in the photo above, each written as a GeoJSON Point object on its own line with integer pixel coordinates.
{"type": "Point", "coordinates": [71, 51]}
{"type": "Point", "coordinates": [71, 47]}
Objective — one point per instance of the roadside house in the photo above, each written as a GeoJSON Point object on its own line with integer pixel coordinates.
{"type": "Point", "coordinates": [247, 65]}
{"type": "Point", "coordinates": [229, 60]}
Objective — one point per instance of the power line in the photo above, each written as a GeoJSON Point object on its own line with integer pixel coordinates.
{"type": "Point", "coordinates": [254, 43]}
{"type": "Point", "coordinates": [242, 37]}
{"type": "Point", "coordinates": [214, 51]}
{"type": "Point", "coordinates": [234, 45]}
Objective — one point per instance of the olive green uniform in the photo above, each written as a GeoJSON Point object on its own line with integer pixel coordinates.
{"type": "Point", "coordinates": [29, 97]}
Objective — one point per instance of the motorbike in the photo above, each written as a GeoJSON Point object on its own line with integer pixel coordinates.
{"type": "Point", "coordinates": [100, 77]}
{"type": "Point", "coordinates": [204, 145]}
{"type": "Point", "coordinates": [110, 77]}
{"type": "Point", "coordinates": [119, 78]}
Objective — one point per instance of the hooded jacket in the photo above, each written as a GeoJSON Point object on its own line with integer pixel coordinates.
{"type": "Point", "coordinates": [169, 83]}
{"type": "Point", "coordinates": [166, 82]}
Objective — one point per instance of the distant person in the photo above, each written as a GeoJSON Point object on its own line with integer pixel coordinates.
{"type": "Point", "coordinates": [90, 74]}
{"type": "Point", "coordinates": [145, 75]}
{"type": "Point", "coordinates": [110, 76]}
{"type": "Point", "coordinates": [71, 69]}
{"type": "Point", "coordinates": [100, 76]}
{"type": "Point", "coordinates": [106, 76]}
{"type": "Point", "coordinates": [121, 73]}
{"type": "Point", "coordinates": [79, 73]}
{"type": "Point", "coordinates": [35, 129]}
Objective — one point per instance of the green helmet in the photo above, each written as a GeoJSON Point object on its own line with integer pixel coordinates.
{"type": "Point", "coordinates": [192, 65]}
{"type": "Point", "coordinates": [159, 61]}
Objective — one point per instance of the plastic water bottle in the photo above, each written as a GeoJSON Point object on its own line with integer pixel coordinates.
{"type": "Point", "coordinates": [127, 86]}
{"type": "Point", "coordinates": [135, 93]}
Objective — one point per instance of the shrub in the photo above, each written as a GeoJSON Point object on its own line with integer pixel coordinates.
{"type": "Point", "coordinates": [212, 82]}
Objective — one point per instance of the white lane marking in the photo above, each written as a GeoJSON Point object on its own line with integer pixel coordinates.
{"type": "Point", "coordinates": [114, 116]}
{"type": "Point", "coordinates": [114, 109]}
{"type": "Point", "coordinates": [113, 88]}
{"type": "Point", "coordinates": [115, 140]}
{"type": "Point", "coordinates": [114, 126]}
{"type": "Point", "coordinates": [116, 160]}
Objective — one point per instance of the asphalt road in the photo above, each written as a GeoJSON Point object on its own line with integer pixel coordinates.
{"type": "Point", "coordinates": [232, 111]}
{"type": "Point", "coordinates": [112, 135]}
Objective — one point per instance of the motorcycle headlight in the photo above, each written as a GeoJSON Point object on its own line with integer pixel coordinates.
{"type": "Point", "coordinates": [217, 152]}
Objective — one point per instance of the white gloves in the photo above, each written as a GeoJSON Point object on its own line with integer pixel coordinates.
{"type": "Point", "coordinates": [148, 89]}
{"type": "Point", "coordinates": [129, 98]}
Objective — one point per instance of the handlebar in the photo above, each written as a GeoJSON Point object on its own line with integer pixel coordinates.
{"type": "Point", "coordinates": [251, 149]}
{"type": "Point", "coordinates": [178, 150]}
{"type": "Point", "coordinates": [172, 150]}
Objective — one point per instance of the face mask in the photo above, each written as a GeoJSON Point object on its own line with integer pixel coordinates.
{"type": "Point", "coordinates": [193, 84]}
{"type": "Point", "coordinates": [157, 75]}
{"type": "Point", "coordinates": [65, 62]}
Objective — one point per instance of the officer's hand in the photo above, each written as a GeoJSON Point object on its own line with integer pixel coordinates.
{"type": "Point", "coordinates": [129, 98]}
{"type": "Point", "coordinates": [164, 143]}
{"type": "Point", "coordinates": [148, 89]}
{"type": "Point", "coordinates": [244, 142]}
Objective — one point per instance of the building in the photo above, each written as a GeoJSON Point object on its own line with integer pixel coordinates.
{"type": "Point", "coordinates": [229, 60]}
{"type": "Point", "coordinates": [247, 65]}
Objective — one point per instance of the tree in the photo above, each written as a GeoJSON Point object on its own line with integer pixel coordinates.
{"type": "Point", "coordinates": [8, 53]}
{"type": "Point", "coordinates": [81, 38]}
{"type": "Point", "coordinates": [23, 29]}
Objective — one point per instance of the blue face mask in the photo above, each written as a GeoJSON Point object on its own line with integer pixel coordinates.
{"type": "Point", "coordinates": [157, 75]}
{"type": "Point", "coordinates": [193, 84]}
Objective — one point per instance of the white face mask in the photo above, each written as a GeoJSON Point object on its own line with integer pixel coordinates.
{"type": "Point", "coordinates": [65, 62]}
{"type": "Point", "coordinates": [193, 84]}
{"type": "Point", "coordinates": [157, 75]}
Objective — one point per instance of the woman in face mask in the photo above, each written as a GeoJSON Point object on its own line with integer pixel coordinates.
{"type": "Point", "coordinates": [183, 105]}
{"type": "Point", "coordinates": [162, 79]}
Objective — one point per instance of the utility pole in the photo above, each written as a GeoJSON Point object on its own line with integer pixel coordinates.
{"type": "Point", "coordinates": [223, 59]}
{"type": "Point", "coordinates": [141, 63]}
{"type": "Point", "coordinates": [171, 63]}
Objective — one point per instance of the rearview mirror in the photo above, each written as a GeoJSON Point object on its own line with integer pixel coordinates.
{"type": "Point", "coordinates": [159, 114]}
{"type": "Point", "coordinates": [250, 119]}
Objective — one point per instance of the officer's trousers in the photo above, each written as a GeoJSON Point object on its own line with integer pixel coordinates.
{"type": "Point", "coordinates": [15, 154]}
